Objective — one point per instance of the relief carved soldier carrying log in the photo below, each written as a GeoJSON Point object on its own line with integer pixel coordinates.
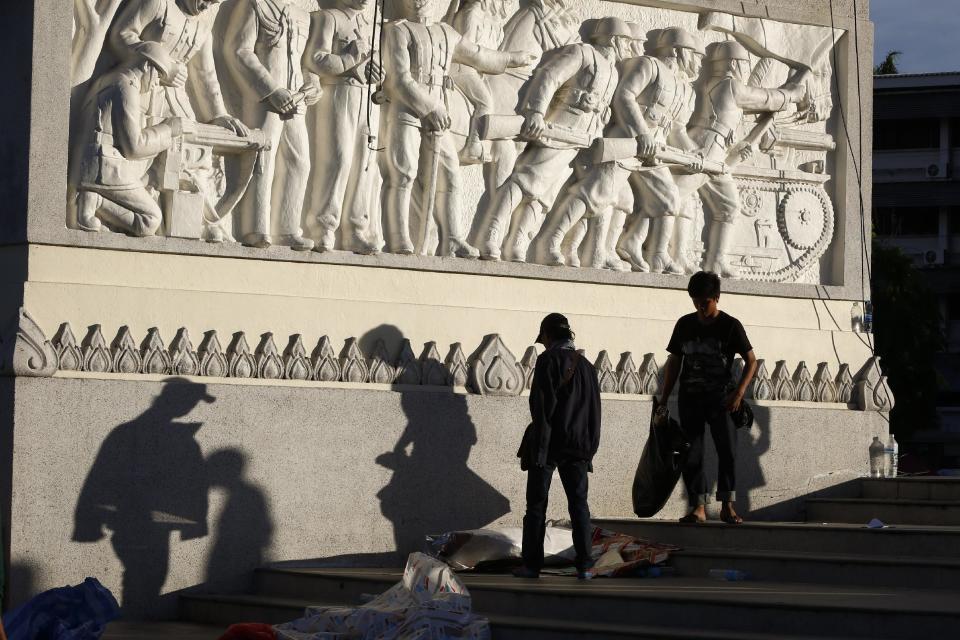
{"type": "Point", "coordinates": [139, 110]}
{"type": "Point", "coordinates": [341, 169]}
{"type": "Point", "coordinates": [566, 108]}
{"type": "Point", "coordinates": [418, 54]}
{"type": "Point", "coordinates": [264, 46]}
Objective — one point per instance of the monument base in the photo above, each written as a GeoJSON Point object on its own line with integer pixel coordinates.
{"type": "Point", "coordinates": [110, 475]}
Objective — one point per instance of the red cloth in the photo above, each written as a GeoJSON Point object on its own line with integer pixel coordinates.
{"type": "Point", "coordinates": [249, 631]}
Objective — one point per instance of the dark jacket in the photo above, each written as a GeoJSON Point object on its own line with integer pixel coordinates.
{"type": "Point", "coordinates": [565, 408]}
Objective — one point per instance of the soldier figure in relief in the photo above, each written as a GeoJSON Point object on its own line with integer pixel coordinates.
{"type": "Point", "coordinates": [418, 54]}
{"type": "Point", "coordinates": [604, 229]}
{"type": "Point", "coordinates": [569, 97]}
{"type": "Point", "coordinates": [721, 102]}
{"type": "Point", "coordinates": [480, 22]}
{"type": "Point", "coordinates": [539, 26]}
{"type": "Point", "coordinates": [341, 56]}
{"type": "Point", "coordinates": [264, 45]}
{"type": "Point", "coordinates": [137, 109]}
{"type": "Point", "coordinates": [653, 104]}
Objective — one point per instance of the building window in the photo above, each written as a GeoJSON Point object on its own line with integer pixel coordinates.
{"type": "Point", "coordinates": [921, 133]}
{"type": "Point", "coordinates": [906, 221]}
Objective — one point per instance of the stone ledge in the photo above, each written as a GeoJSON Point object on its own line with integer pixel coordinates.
{"type": "Point", "coordinates": [158, 244]}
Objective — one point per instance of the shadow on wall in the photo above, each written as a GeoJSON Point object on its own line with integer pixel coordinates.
{"type": "Point", "coordinates": [149, 480]}
{"type": "Point", "coordinates": [432, 489]}
{"type": "Point", "coordinates": [244, 529]}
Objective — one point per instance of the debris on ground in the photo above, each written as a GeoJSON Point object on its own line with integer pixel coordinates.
{"type": "Point", "coordinates": [493, 549]}
{"type": "Point", "coordinates": [429, 602]}
{"type": "Point", "coordinates": [249, 631]}
{"type": "Point", "coordinates": [80, 612]}
{"type": "Point", "coordinates": [619, 555]}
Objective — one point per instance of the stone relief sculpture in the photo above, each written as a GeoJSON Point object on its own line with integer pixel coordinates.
{"type": "Point", "coordinates": [264, 48]}
{"type": "Point", "coordinates": [139, 134]}
{"type": "Point", "coordinates": [722, 100]}
{"type": "Point", "coordinates": [342, 167]}
{"type": "Point", "coordinates": [418, 54]}
{"type": "Point", "coordinates": [722, 167]}
{"type": "Point", "coordinates": [566, 108]}
{"type": "Point", "coordinates": [651, 105]}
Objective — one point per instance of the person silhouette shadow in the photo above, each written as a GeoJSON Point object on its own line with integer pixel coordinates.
{"type": "Point", "coordinates": [148, 480]}
{"type": "Point", "coordinates": [244, 529]}
{"type": "Point", "coordinates": [432, 490]}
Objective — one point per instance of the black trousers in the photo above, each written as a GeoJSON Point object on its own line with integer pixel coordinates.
{"type": "Point", "coordinates": [573, 475]}
{"type": "Point", "coordinates": [696, 411]}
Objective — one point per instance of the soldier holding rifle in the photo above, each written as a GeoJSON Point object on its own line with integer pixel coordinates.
{"type": "Point", "coordinates": [650, 109]}
{"type": "Point", "coordinates": [567, 106]}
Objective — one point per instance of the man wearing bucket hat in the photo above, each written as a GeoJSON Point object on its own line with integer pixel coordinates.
{"type": "Point", "coordinates": [563, 435]}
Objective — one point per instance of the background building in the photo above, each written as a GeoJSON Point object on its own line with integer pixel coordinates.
{"type": "Point", "coordinates": [916, 205]}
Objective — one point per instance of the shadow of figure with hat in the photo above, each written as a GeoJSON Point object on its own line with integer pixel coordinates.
{"type": "Point", "coordinates": [432, 489]}
{"type": "Point", "coordinates": [148, 480]}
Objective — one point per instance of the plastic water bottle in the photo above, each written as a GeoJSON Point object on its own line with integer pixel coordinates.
{"type": "Point", "coordinates": [655, 572]}
{"type": "Point", "coordinates": [730, 575]}
{"type": "Point", "coordinates": [877, 460]}
{"type": "Point", "coordinates": [891, 453]}
{"type": "Point", "coordinates": [868, 317]}
{"type": "Point", "coordinates": [856, 318]}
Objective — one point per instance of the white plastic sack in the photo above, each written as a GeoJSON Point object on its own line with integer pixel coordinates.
{"type": "Point", "coordinates": [465, 550]}
{"type": "Point", "coordinates": [429, 603]}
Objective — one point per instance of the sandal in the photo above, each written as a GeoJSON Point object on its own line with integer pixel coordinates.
{"type": "Point", "coordinates": [731, 519]}
{"type": "Point", "coordinates": [691, 518]}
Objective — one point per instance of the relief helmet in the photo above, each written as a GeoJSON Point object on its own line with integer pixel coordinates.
{"type": "Point", "coordinates": [727, 50]}
{"type": "Point", "coordinates": [675, 37]}
{"type": "Point", "coordinates": [611, 27]}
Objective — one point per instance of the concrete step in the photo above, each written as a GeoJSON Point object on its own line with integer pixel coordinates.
{"type": "Point", "coordinates": [156, 630]}
{"type": "Point", "coordinates": [824, 568]}
{"type": "Point", "coordinates": [911, 488]}
{"type": "Point", "coordinates": [686, 604]}
{"type": "Point", "coordinates": [230, 608]}
{"type": "Point", "coordinates": [890, 511]}
{"type": "Point", "coordinates": [911, 541]}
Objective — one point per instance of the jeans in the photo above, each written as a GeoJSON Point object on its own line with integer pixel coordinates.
{"type": "Point", "coordinates": [573, 475]}
{"type": "Point", "coordinates": [696, 411]}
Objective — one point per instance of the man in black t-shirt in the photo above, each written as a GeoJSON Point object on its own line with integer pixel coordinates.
{"type": "Point", "coordinates": [702, 350]}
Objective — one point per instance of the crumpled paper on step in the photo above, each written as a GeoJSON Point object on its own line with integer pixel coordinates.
{"type": "Point", "coordinates": [429, 603]}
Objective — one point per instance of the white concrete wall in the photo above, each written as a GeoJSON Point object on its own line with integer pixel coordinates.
{"type": "Point", "coordinates": [313, 454]}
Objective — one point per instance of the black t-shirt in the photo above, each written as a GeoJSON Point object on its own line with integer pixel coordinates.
{"type": "Point", "coordinates": [708, 352]}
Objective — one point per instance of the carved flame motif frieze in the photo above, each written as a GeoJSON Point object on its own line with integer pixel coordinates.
{"type": "Point", "coordinates": [184, 361]}
{"type": "Point", "coordinates": [241, 362]}
{"type": "Point", "coordinates": [154, 355]}
{"type": "Point", "coordinates": [629, 378]}
{"type": "Point", "coordinates": [492, 369]}
{"type": "Point", "coordinates": [326, 365]}
{"type": "Point", "coordinates": [125, 356]}
{"type": "Point", "coordinates": [213, 362]}
{"type": "Point", "coordinates": [69, 354]}
{"type": "Point", "coordinates": [306, 140]}
{"type": "Point", "coordinates": [296, 365]}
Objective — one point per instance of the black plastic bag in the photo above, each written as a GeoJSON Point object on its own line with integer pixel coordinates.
{"type": "Point", "coordinates": [661, 463]}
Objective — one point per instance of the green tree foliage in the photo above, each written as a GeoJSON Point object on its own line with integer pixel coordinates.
{"type": "Point", "coordinates": [889, 65]}
{"type": "Point", "coordinates": [908, 334]}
